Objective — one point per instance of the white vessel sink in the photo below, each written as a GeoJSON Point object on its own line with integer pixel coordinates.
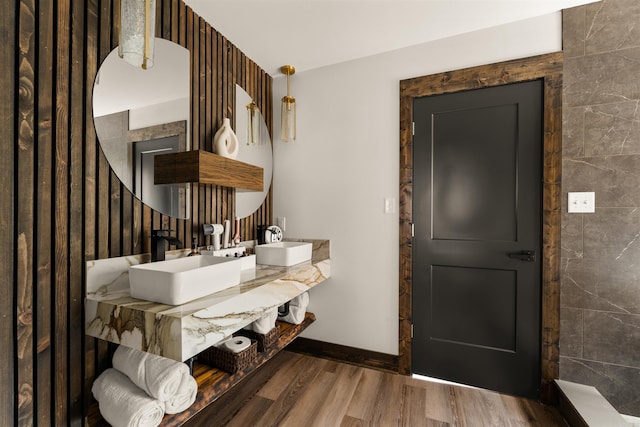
{"type": "Point", "coordinates": [181, 280]}
{"type": "Point", "coordinates": [283, 253]}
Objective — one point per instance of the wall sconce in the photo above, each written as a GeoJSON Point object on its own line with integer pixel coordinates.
{"type": "Point", "coordinates": [288, 115]}
{"type": "Point", "coordinates": [253, 124]}
{"type": "Point", "coordinates": [137, 32]}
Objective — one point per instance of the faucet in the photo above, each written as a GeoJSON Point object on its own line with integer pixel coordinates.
{"type": "Point", "coordinates": [158, 238]}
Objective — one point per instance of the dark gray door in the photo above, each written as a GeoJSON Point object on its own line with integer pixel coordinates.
{"type": "Point", "coordinates": [477, 158]}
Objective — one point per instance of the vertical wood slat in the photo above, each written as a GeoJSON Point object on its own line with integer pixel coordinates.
{"type": "Point", "coordinates": [8, 134]}
{"type": "Point", "coordinates": [163, 15]}
{"type": "Point", "coordinates": [90, 175]}
{"type": "Point", "coordinates": [76, 213]}
{"type": "Point", "coordinates": [219, 108]}
{"type": "Point", "coordinates": [25, 211]}
{"type": "Point", "coordinates": [191, 45]}
{"type": "Point", "coordinates": [208, 132]}
{"type": "Point", "coordinates": [199, 46]}
{"type": "Point", "coordinates": [102, 166]}
{"type": "Point", "coordinates": [62, 205]}
{"type": "Point", "coordinates": [42, 316]}
{"type": "Point", "coordinates": [61, 213]}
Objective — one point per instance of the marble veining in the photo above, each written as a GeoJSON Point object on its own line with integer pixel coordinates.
{"type": "Point", "coordinates": [181, 332]}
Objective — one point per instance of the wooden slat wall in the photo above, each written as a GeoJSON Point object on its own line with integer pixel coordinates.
{"type": "Point", "coordinates": [61, 205]}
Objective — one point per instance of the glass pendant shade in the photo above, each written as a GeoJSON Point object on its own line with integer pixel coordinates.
{"type": "Point", "coordinates": [137, 32]}
{"type": "Point", "coordinates": [288, 113]}
{"type": "Point", "coordinates": [253, 124]}
{"type": "Point", "coordinates": [288, 119]}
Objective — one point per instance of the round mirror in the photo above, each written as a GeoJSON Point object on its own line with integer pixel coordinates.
{"type": "Point", "coordinates": [140, 113]}
{"type": "Point", "coordinates": [255, 149]}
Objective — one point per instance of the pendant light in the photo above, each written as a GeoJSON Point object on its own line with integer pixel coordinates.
{"type": "Point", "coordinates": [137, 31]}
{"type": "Point", "coordinates": [288, 115]}
{"type": "Point", "coordinates": [253, 124]}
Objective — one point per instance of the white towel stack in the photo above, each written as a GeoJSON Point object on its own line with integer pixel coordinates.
{"type": "Point", "coordinates": [265, 323]}
{"type": "Point", "coordinates": [158, 379]}
{"type": "Point", "coordinates": [297, 309]}
{"type": "Point", "coordinates": [121, 403]}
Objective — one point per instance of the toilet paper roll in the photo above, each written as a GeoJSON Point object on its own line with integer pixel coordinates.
{"type": "Point", "coordinates": [237, 344]}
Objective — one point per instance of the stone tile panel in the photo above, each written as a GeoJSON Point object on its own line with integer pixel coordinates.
{"type": "Point", "coordinates": [611, 129]}
{"type": "Point", "coordinates": [571, 238]}
{"type": "Point", "coordinates": [594, 284]}
{"type": "Point", "coordinates": [611, 25]}
{"type": "Point", "coordinates": [571, 332]}
{"type": "Point", "coordinates": [602, 79]}
{"type": "Point", "coordinates": [615, 179]}
{"type": "Point", "coordinates": [573, 129]}
{"type": "Point", "coordinates": [612, 338]}
{"type": "Point", "coordinates": [573, 32]}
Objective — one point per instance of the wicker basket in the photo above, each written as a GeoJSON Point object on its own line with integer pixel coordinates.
{"type": "Point", "coordinates": [265, 341]}
{"type": "Point", "coordinates": [228, 360]}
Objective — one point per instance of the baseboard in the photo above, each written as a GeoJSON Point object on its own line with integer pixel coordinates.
{"type": "Point", "coordinates": [341, 353]}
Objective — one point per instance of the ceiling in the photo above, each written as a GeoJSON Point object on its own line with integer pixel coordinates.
{"type": "Point", "coordinates": [310, 34]}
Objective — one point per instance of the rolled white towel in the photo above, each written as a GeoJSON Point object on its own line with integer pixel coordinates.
{"type": "Point", "coordinates": [158, 376]}
{"type": "Point", "coordinates": [265, 323]}
{"type": "Point", "coordinates": [297, 309]}
{"type": "Point", "coordinates": [122, 404]}
{"type": "Point", "coordinates": [184, 397]}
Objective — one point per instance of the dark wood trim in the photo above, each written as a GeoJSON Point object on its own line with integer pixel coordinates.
{"type": "Point", "coordinates": [341, 353]}
{"type": "Point", "coordinates": [549, 69]}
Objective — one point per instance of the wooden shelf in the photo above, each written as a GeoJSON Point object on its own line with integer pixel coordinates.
{"type": "Point", "coordinates": [213, 383]}
{"type": "Point", "coordinates": [206, 168]}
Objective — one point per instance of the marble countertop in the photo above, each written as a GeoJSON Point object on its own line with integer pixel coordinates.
{"type": "Point", "coordinates": [180, 332]}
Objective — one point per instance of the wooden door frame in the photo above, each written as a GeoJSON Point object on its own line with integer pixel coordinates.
{"type": "Point", "coordinates": [547, 68]}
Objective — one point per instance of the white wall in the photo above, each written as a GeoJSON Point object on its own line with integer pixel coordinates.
{"type": "Point", "coordinates": [332, 182]}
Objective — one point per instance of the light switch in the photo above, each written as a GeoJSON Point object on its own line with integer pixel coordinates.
{"type": "Point", "coordinates": [389, 205]}
{"type": "Point", "coordinates": [582, 202]}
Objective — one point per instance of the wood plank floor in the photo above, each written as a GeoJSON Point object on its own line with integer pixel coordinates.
{"type": "Point", "coordinates": [298, 390]}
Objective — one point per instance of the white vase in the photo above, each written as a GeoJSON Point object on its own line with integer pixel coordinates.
{"type": "Point", "coordinates": [225, 142]}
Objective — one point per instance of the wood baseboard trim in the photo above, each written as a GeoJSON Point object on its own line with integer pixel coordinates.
{"type": "Point", "coordinates": [341, 353]}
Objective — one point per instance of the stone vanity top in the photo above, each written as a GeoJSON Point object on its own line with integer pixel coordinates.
{"type": "Point", "coordinates": [181, 332]}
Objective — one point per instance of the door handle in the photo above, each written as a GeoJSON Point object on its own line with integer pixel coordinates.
{"type": "Point", "coordinates": [529, 256]}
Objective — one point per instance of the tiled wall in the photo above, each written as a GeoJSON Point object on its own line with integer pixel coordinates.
{"type": "Point", "coordinates": [600, 300]}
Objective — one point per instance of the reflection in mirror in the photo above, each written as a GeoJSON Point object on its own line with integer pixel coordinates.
{"type": "Point", "coordinates": [140, 113]}
{"type": "Point", "coordinates": [258, 154]}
